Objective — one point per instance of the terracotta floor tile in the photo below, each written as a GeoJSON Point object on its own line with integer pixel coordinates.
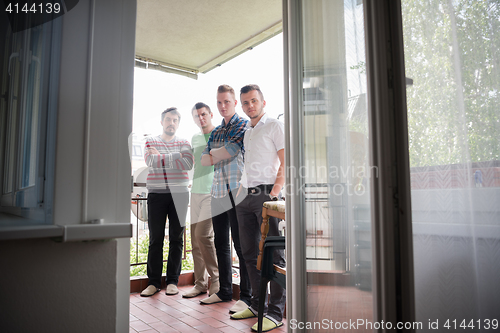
{"type": "Point", "coordinates": [227, 329]}
{"type": "Point", "coordinates": [169, 320]}
{"type": "Point", "coordinates": [195, 306]}
{"type": "Point", "coordinates": [222, 307]}
{"type": "Point", "coordinates": [207, 329]}
{"type": "Point", "coordinates": [181, 327]}
{"type": "Point", "coordinates": [153, 299]}
{"type": "Point", "coordinates": [139, 326]}
{"type": "Point", "coordinates": [218, 315]}
{"type": "Point", "coordinates": [134, 309]}
{"type": "Point", "coordinates": [162, 327]}
{"type": "Point", "coordinates": [213, 322]}
{"type": "Point", "coordinates": [152, 311]}
{"type": "Point", "coordinates": [135, 298]}
{"type": "Point", "coordinates": [174, 313]}
{"type": "Point", "coordinates": [168, 301]}
{"type": "Point", "coordinates": [149, 309]}
{"type": "Point", "coordinates": [239, 324]}
{"type": "Point", "coordinates": [164, 307]}
{"type": "Point", "coordinates": [191, 321]}
{"type": "Point", "coordinates": [196, 314]}
{"type": "Point", "coordinates": [145, 317]}
{"type": "Point", "coordinates": [171, 311]}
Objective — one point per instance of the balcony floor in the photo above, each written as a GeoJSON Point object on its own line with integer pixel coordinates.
{"type": "Point", "coordinates": [162, 313]}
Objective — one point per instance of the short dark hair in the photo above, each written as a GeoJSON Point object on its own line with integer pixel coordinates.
{"type": "Point", "coordinates": [173, 110]}
{"type": "Point", "coordinates": [200, 105]}
{"type": "Point", "coordinates": [250, 87]}
{"type": "Point", "coordinates": [226, 88]}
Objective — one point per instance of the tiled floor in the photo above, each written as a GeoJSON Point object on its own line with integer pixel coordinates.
{"type": "Point", "coordinates": [340, 305]}
{"type": "Point", "coordinates": [162, 313]}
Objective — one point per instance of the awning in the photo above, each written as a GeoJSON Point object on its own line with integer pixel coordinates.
{"type": "Point", "coordinates": [194, 36]}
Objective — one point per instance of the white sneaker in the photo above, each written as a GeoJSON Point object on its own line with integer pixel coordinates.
{"type": "Point", "coordinates": [238, 306]}
{"type": "Point", "coordinates": [172, 289]}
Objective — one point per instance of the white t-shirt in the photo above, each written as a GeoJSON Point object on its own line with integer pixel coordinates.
{"type": "Point", "coordinates": [262, 144]}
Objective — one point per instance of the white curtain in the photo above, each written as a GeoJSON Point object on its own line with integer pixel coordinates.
{"type": "Point", "coordinates": [452, 55]}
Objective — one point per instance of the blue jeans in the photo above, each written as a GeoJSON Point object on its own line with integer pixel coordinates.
{"type": "Point", "coordinates": [224, 219]}
{"type": "Point", "coordinates": [161, 206]}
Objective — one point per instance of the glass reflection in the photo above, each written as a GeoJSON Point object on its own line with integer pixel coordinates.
{"type": "Point", "coordinates": [336, 169]}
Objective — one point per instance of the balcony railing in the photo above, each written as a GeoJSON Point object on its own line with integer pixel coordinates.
{"type": "Point", "coordinates": [141, 228]}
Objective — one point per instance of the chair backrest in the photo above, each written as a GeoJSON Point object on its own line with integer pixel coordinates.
{"type": "Point", "coordinates": [274, 209]}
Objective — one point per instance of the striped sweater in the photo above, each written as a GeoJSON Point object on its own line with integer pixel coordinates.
{"type": "Point", "coordinates": [168, 170]}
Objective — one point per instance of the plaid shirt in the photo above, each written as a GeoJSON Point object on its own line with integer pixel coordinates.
{"type": "Point", "coordinates": [227, 171]}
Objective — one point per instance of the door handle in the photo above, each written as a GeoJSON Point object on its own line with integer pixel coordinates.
{"type": "Point", "coordinates": [12, 56]}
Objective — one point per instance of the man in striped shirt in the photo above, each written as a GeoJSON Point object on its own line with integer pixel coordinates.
{"type": "Point", "coordinates": [225, 151]}
{"type": "Point", "coordinates": [168, 158]}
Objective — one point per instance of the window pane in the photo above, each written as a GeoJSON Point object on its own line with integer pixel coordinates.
{"type": "Point", "coordinates": [337, 200]}
{"type": "Point", "coordinates": [13, 76]}
{"type": "Point", "coordinates": [32, 111]}
{"type": "Point", "coordinates": [28, 82]}
{"type": "Point", "coordinates": [452, 55]}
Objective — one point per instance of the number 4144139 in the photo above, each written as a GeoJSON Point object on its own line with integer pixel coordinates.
{"type": "Point", "coordinates": [35, 8]}
{"type": "Point", "coordinates": [478, 324]}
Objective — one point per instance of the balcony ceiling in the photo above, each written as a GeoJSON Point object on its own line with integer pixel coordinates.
{"type": "Point", "coordinates": [194, 36]}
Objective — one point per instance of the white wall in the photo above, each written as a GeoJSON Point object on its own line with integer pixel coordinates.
{"type": "Point", "coordinates": [47, 286]}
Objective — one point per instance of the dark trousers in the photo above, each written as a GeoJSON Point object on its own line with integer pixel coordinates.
{"type": "Point", "coordinates": [161, 206]}
{"type": "Point", "coordinates": [225, 219]}
{"type": "Point", "coordinates": [249, 213]}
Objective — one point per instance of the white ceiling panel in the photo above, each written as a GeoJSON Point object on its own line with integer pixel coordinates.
{"type": "Point", "coordinates": [195, 36]}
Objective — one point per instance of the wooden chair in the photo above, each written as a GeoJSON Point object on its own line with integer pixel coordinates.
{"type": "Point", "coordinates": [269, 271]}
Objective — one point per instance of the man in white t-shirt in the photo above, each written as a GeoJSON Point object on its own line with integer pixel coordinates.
{"type": "Point", "coordinates": [263, 178]}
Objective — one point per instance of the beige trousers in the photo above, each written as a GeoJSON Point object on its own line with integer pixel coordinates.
{"type": "Point", "coordinates": [202, 240]}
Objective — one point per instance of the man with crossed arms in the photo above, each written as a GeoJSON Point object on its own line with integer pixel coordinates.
{"type": "Point", "coordinates": [263, 178]}
{"type": "Point", "coordinates": [224, 151]}
{"type": "Point", "coordinates": [202, 232]}
{"type": "Point", "coordinates": [168, 158]}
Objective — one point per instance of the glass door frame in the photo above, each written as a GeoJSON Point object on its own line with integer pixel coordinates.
{"type": "Point", "coordinates": [393, 284]}
{"type": "Point", "coordinates": [391, 197]}
{"type": "Point", "coordinates": [296, 279]}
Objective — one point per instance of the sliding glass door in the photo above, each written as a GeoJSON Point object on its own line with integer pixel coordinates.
{"type": "Point", "coordinates": [393, 184]}
{"type": "Point", "coordinates": [330, 260]}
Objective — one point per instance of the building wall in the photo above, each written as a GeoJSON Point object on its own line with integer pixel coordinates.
{"type": "Point", "coordinates": [50, 286]}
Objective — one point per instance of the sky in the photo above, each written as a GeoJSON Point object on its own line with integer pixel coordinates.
{"type": "Point", "coordinates": [155, 91]}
